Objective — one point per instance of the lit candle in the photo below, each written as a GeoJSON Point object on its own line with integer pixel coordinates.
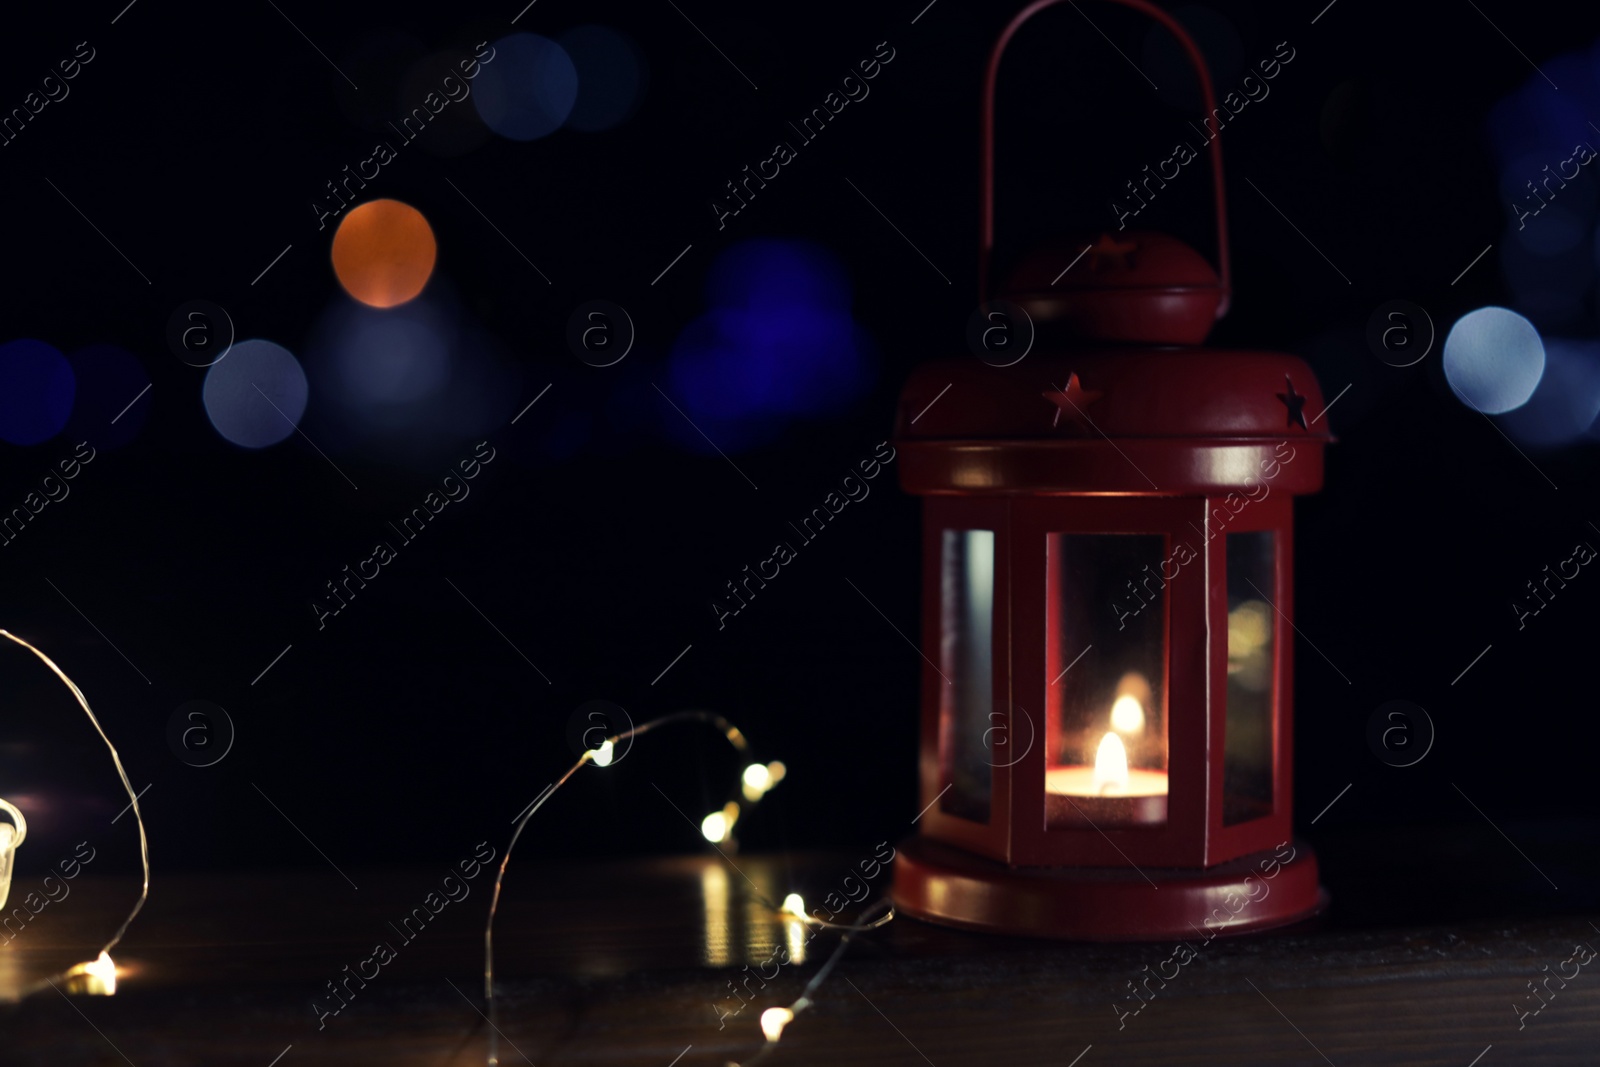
{"type": "Point", "coordinates": [1109, 777]}
{"type": "Point", "coordinates": [1110, 791]}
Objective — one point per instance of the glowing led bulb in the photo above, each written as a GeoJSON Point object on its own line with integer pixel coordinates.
{"type": "Point", "coordinates": [794, 904]}
{"type": "Point", "coordinates": [98, 978]}
{"type": "Point", "coordinates": [757, 780]}
{"type": "Point", "coordinates": [602, 755]}
{"type": "Point", "coordinates": [105, 970]}
{"type": "Point", "coordinates": [1127, 714]}
{"type": "Point", "coordinates": [11, 835]}
{"type": "Point", "coordinates": [719, 824]}
{"type": "Point", "coordinates": [773, 1020]}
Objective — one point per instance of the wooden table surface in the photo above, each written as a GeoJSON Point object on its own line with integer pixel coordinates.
{"type": "Point", "coordinates": [1433, 936]}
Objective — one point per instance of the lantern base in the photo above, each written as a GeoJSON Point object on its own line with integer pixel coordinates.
{"type": "Point", "coordinates": [941, 884]}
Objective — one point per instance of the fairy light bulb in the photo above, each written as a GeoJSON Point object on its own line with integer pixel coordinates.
{"type": "Point", "coordinates": [773, 1020]}
{"type": "Point", "coordinates": [11, 835]}
{"type": "Point", "coordinates": [719, 824]}
{"type": "Point", "coordinates": [104, 970]}
{"type": "Point", "coordinates": [715, 827]}
{"type": "Point", "coordinates": [794, 904]}
{"type": "Point", "coordinates": [757, 780]}
{"type": "Point", "coordinates": [97, 977]}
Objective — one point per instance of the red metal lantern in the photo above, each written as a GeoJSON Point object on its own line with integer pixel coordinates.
{"type": "Point", "coordinates": [1106, 722]}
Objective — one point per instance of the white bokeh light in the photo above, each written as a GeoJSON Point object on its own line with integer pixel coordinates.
{"type": "Point", "coordinates": [256, 395]}
{"type": "Point", "coordinates": [1493, 359]}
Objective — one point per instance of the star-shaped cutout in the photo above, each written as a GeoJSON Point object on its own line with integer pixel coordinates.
{"type": "Point", "coordinates": [1107, 249]}
{"type": "Point", "coordinates": [1296, 405]}
{"type": "Point", "coordinates": [1073, 399]}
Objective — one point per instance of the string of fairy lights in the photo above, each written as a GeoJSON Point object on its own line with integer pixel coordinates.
{"type": "Point", "coordinates": [99, 975]}
{"type": "Point", "coordinates": [754, 782]}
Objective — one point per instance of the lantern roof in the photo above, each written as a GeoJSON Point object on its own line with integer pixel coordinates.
{"type": "Point", "coordinates": [1150, 392]}
{"type": "Point", "coordinates": [1137, 286]}
{"type": "Point", "coordinates": [1079, 421]}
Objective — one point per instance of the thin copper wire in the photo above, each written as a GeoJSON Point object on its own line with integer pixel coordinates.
{"type": "Point", "coordinates": [804, 1001]}
{"type": "Point", "coordinates": [728, 730]}
{"type": "Point", "coordinates": [133, 798]}
{"type": "Point", "coordinates": [737, 739]}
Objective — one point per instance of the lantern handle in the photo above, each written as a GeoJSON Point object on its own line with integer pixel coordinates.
{"type": "Point", "coordinates": [986, 178]}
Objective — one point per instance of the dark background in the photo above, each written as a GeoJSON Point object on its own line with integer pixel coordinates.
{"type": "Point", "coordinates": [408, 730]}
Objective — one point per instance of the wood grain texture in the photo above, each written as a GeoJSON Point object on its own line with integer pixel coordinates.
{"type": "Point", "coordinates": [1432, 938]}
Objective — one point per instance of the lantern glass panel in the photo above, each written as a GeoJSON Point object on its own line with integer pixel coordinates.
{"type": "Point", "coordinates": [1106, 620]}
{"type": "Point", "coordinates": [966, 661]}
{"type": "Point", "coordinates": [1252, 647]}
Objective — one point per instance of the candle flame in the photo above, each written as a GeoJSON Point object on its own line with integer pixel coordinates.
{"type": "Point", "coordinates": [1127, 714]}
{"type": "Point", "coordinates": [1111, 766]}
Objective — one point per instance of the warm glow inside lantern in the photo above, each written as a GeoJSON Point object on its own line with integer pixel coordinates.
{"type": "Point", "coordinates": [1107, 550]}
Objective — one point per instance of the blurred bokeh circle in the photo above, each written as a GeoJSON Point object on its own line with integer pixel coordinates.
{"type": "Point", "coordinates": [257, 395]}
{"type": "Point", "coordinates": [37, 388]}
{"type": "Point", "coordinates": [1493, 359]}
{"type": "Point", "coordinates": [383, 253]}
{"type": "Point", "coordinates": [610, 69]}
{"type": "Point", "coordinates": [528, 89]}
{"type": "Point", "coordinates": [111, 405]}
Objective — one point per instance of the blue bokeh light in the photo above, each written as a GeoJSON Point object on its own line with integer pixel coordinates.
{"type": "Point", "coordinates": [777, 273]}
{"type": "Point", "coordinates": [1541, 137]}
{"type": "Point", "coordinates": [610, 77]}
{"type": "Point", "coordinates": [37, 388]}
{"type": "Point", "coordinates": [394, 355]}
{"type": "Point", "coordinates": [408, 384]}
{"type": "Point", "coordinates": [256, 395]}
{"type": "Point", "coordinates": [1559, 229]}
{"type": "Point", "coordinates": [111, 406]}
{"type": "Point", "coordinates": [1567, 400]}
{"type": "Point", "coordinates": [1542, 169]}
{"type": "Point", "coordinates": [778, 343]}
{"type": "Point", "coordinates": [1549, 287]}
{"type": "Point", "coordinates": [529, 88]}
{"type": "Point", "coordinates": [1538, 119]}
{"type": "Point", "coordinates": [1493, 359]}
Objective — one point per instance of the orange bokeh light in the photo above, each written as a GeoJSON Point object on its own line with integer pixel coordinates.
{"type": "Point", "coordinates": [383, 253]}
